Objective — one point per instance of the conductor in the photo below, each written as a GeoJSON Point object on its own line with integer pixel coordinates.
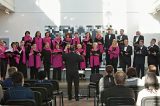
{"type": "Point", "coordinates": [72, 60]}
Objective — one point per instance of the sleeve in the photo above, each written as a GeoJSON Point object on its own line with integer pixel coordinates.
{"type": "Point", "coordinates": [130, 51]}
{"type": "Point", "coordinates": [80, 58]}
{"type": "Point", "coordinates": [139, 98]}
{"type": "Point", "coordinates": [101, 84]}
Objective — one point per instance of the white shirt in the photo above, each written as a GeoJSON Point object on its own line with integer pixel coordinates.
{"type": "Point", "coordinates": [125, 48]}
{"type": "Point", "coordinates": [137, 37]}
{"type": "Point", "coordinates": [145, 93]}
{"type": "Point", "coordinates": [109, 36]}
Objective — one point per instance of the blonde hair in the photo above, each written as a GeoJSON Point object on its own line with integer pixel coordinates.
{"type": "Point", "coordinates": [114, 43]}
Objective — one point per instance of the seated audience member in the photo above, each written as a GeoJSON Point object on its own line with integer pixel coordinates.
{"type": "Point", "coordinates": [1, 92]}
{"type": "Point", "coordinates": [8, 81]}
{"type": "Point", "coordinates": [132, 79]}
{"type": "Point", "coordinates": [108, 80]}
{"type": "Point", "coordinates": [18, 91]}
{"type": "Point", "coordinates": [42, 77]}
{"type": "Point", "coordinates": [151, 68]}
{"type": "Point", "coordinates": [119, 90]}
{"type": "Point", "coordinates": [151, 87]}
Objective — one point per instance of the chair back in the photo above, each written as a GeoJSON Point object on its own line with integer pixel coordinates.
{"type": "Point", "coordinates": [151, 101]}
{"type": "Point", "coordinates": [38, 98]}
{"type": "Point", "coordinates": [95, 77]}
{"type": "Point", "coordinates": [48, 86]}
{"type": "Point", "coordinates": [21, 102]}
{"type": "Point", "coordinates": [42, 90]}
{"type": "Point", "coordinates": [120, 101]}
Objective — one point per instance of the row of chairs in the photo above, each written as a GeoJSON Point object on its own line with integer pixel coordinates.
{"type": "Point", "coordinates": [45, 94]}
{"type": "Point", "coordinates": [119, 101]}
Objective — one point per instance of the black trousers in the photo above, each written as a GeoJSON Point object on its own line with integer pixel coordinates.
{"type": "Point", "coordinates": [107, 59]}
{"type": "Point", "coordinates": [120, 61]}
{"type": "Point", "coordinates": [114, 62]}
{"type": "Point", "coordinates": [57, 73]}
{"type": "Point", "coordinates": [23, 68]}
{"type": "Point", "coordinates": [3, 67]}
{"type": "Point", "coordinates": [72, 77]}
{"type": "Point", "coordinates": [87, 61]}
{"type": "Point", "coordinates": [95, 69]}
{"type": "Point", "coordinates": [140, 68]}
{"type": "Point", "coordinates": [125, 64]}
{"type": "Point", "coordinates": [47, 69]}
{"type": "Point", "coordinates": [33, 73]}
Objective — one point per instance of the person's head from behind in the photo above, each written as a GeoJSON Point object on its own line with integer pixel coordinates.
{"type": "Point", "coordinates": [41, 75]}
{"type": "Point", "coordinates": [131, 72]}
{"type": "Point", "coordinates": [120, 78]}
{"type": "Point", "coordinates": [152, 68]}
{"type": "Point", "coordinates": [109, 70]}
{"type": "Point", "coordinates": [11, 70]}
{"type": "Point", "coordinates": [17, 78]}
{"type": "Point", "coordinates": [151, 81]}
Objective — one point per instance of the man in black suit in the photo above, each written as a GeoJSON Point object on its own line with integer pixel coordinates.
{"type": "Point", "coordinates": [126, 52]}
{"type": "Point", "coordinates": [136, 41]}
{"type": "Point", "coordinates": [153, 51]}
{"type": "Point", "coordinates": [140, 52]}
{"type": "Point", "coordinates": [119, 90]}
{"type": "Point", "coordinates": [120, 40]}
{"type": "Point", "coordinates": [72, 61]}
{"type": "Point", "coordinates": [108, 41]}
{"type": "Point", "coordinates": [159, 55]}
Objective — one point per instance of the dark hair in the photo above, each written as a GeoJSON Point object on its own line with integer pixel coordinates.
{"type": "Point", "coordinates": [120, 77]}
{"type": "Point", "coordinates": [68, 34]}
{"type": "Point", "coordinates": [37, 32]}
{"type": "Point", "coordinates": [47, 32]}
{"type": "Point", "coordinates": [27, 32]}
{"type": "Point", "coordinates": [41, 75]}
{"type": "Point", "coordinates": [89, 34]}
{"type": "Point", "coordinates": [17, 78]}
{"type": "Point", "coordinates": [151, 81]}
{"type": "Point", "coordinates": [109, 69]}
{"type": "Point", "coordinates": [131, 72]}
{"type": "Point", "coordinates": [154, 39]}
{"type": "Point", "coordinates": [13, 43]}
{"type": "Point", "coordinates": [12, 70]}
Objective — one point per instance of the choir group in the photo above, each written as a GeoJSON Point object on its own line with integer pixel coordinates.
{"type": "Point", "coordinates": [32, 52]}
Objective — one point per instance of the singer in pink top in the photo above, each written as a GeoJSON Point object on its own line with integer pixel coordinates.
{"type": "Point", "coordinates": [76, 40]}
{"type": "Point", "coordinates": [38, 40]}
{"type": "Point", "coordinates": [47, 38]}
{"type": "Point", "coordinates": [3, 59]}
{"type": "Point", "coordinates": [114, 53]}
{"type": "Point", "coordinates": [67, 40]}
{"type": "Point", "coordinates": [34, 61]}
{"type": "Point", "coordinates": [57, 40]}
{"type": "Point", "coordinates": [27, 37]}
{"type": "Point", "coordinates": [100, 41]}
{"type": "Point", "coordinates": [22, 67]}
{"type": "Point", "coordinates": [57, 62]}
{"type": "Point", "coordinates": [94, 59]}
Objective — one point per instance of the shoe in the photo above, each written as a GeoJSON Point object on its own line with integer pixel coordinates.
{"type": "Point", "coordinates": [77, 99]}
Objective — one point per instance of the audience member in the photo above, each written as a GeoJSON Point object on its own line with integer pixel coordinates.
{"type": "Point", "coordinates": [8, 81]}
{"type": "Point", "coordinates": [132, 79]}
{"type": "Point", "coordinates": [42, 77]}
{"type": "Point", "coordinates": [151, 68]}
{"type": "Point", "coordinates": [18, 91]}
{"type": "Point", "coordinates": [151, 87]}
{"type": "Point", "coordinates": [119, 90]}
{"type": "Point", "coordinates": [108, 80]}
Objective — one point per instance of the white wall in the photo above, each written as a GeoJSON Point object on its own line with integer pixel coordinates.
{"type": "Point", "coordinates": [33, 15]}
